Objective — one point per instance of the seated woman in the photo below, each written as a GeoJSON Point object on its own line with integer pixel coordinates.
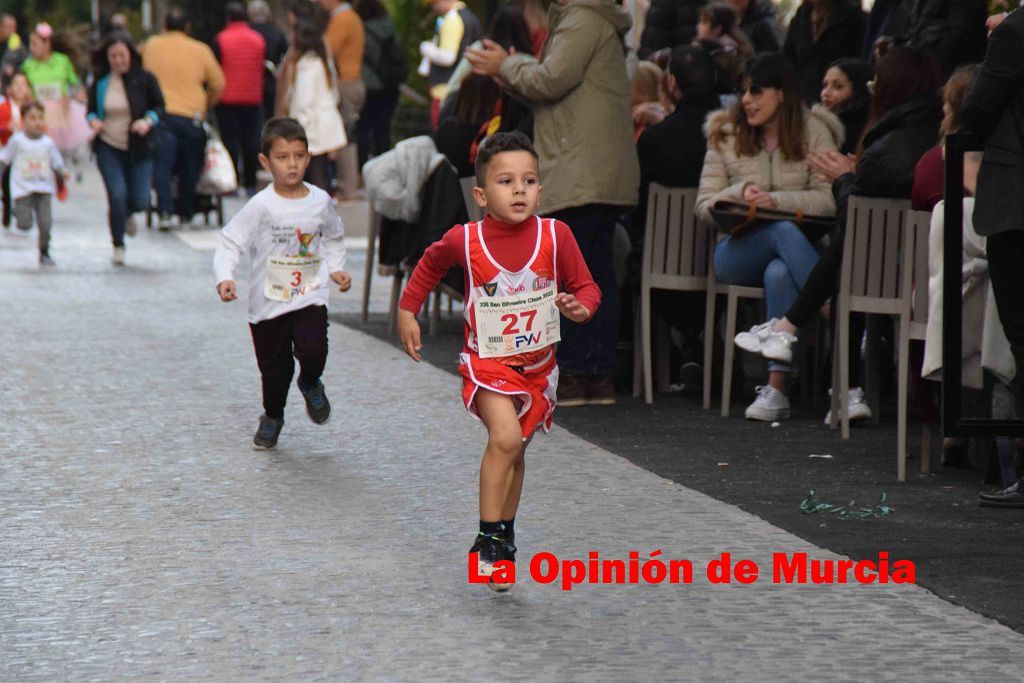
{"type": "Point", "coordinates": [757, 153]}
{"type": "Point", "coordinates": [844, 92]}
{"type": "Point", "coordinates": [902, 124]}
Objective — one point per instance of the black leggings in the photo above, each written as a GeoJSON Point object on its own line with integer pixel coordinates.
{"type": "Point", "coordinates": [302, 334]}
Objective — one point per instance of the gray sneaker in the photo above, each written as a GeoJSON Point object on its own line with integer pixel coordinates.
{"type": "Point", "coordinates": [266, 436]}
{"type": "Point", "coordinates": [769, 406]}
{"type": "Point", "coordinates": [317, 406]}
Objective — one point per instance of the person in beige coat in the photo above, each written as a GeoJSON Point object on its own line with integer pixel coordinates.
{"type": "Point", "coordinates": [583, 132]}
{"type": "Point", "coordinates": [757, 153]}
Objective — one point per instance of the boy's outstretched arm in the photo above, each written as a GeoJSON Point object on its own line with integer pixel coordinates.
{"type": "Point", "coordinates": [409, 334]}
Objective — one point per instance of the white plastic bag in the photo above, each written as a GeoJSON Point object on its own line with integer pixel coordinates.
{"type": "Point", "coordinates": [218, 176]}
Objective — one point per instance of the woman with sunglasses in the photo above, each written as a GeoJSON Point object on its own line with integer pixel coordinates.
{"type": "Point", "coordinates": [903, 123]}
{"type": "Point", "coordinates": [757, 154]}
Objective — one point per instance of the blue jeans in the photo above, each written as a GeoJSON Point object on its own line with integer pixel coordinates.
{"type": "Point", "coordinates": [127, 181]}
{"type": "Point", "coordinates": [589, 348]}
{"type": "Point", "coordinates": [777, 257]}
{"type": "Point", "coordinates": [181, 153]}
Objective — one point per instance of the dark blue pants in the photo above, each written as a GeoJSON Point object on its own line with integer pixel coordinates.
{"type": "Point", "coordinates": [373, 130]}
{"type": "Point", "coordinates": [240, 126]}
{"type": "Point", "coordinates": [589, 348]}
{"type": "Point", "coordinates": [181, 153]}
{"type": "Point", "coordinates": [127, 181]}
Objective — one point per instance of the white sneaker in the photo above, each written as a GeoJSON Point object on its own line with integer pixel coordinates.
{"type": "Point", "coordinates": [770, 343]}
{"type": "Point", "coordinates": [118, 257]}
{"type": "Point", "coordinates": [130, 228]}
{"type": "Point", "coordinates": [769, 406]}
{"type": "Point", "coordinates": [859, 409]}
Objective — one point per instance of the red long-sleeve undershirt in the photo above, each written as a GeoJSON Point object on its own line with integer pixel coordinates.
{"type": "Point", "coordinates": [511, 246]}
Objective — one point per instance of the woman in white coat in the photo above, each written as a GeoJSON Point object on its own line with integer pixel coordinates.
{"type": "Point", "coordinates": [313, 101]}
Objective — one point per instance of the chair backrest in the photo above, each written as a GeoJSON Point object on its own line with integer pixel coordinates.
{"type": "Point", "coordinates": [918, 228]}
{"type": "Point", "coordinates": [675, 244]}
{"type": "Point", "coordinates": [472, 209]}
{"type": "Point", "coordinates": [873, 259]}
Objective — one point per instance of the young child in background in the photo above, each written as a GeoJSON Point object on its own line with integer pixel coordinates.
{"type": "Point", "coordinates": [295, 241]}
{"type": "Point", "coordinates": [37, 171]}
{"type": "Point", "coordinates": [17, 93]}
{"type": "Point", "coordinates": [515, 265]}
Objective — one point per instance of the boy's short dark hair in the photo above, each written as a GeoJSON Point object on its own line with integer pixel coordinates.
{"type": "Point", "coordinates": [34, 105]}
{"type": "Point", "coordinates": [513, 141]}
{"type": "Point", "coordinates": [281, 128]}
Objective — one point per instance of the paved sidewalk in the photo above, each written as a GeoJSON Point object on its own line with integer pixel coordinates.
{"type": "Point", "coordinates": [143, 538]}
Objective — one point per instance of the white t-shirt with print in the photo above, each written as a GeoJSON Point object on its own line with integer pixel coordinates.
{"type": "Point", "coordinates": [275, 229]}
{"type": "Point", "coordinates": [33, 162]}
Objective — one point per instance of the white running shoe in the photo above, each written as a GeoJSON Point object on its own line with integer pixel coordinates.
{"type": "Point", "coordinates": [771, 344]}
{"type": "Point", "coordinates": [118, 258]}
{"type": "Point", "coordinates": [769, 406]}
{"type": "Point", "coordinates": [130, 227]}
{"type": "Point", "coordinates": [859, 409]}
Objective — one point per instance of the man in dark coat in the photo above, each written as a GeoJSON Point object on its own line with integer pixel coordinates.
{"type": "Point", "coordinates": [842, 36]}
{"type": "Point", "coordinates": [262, 22]}
{"type": "Point", "coordinates": [952, 31]}
{"type": "Point", "coordinates": [994, 110]}
{"type": "Point", "coordinates": [757, 21]}
{"type": "Point", "coordinates": [669, 23]}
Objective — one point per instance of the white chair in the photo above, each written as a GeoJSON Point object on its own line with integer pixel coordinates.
{"type": "Point", "coordinates": [675, 258]}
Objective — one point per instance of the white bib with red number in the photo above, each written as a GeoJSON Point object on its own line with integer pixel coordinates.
{"type": "Point", "coordinates": [512, 313]}
{"type": "Point", "coordinates": [291, 276]}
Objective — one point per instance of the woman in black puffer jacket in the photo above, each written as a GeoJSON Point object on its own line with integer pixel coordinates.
{"type": "Point", "coordinates": [669, 23]}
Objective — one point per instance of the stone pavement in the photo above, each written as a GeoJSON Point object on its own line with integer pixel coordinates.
{"type": "Point", "coordinates": [143, 538]}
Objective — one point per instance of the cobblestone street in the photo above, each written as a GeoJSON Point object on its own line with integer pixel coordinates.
{"type": "Point", "coordinates": [143, 538]}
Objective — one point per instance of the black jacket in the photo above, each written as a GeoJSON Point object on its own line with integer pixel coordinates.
{"type": "Point", "coordinates": [669, 23]}
{"type": "Point", "coordinates": [144, 96]}
{"type": "Point", "coordinates": [758, 24]}
{"type": "Point", "coordinates": [892, 148]}
{"type": "Point", "coordinates": [843, 37]}
{"type": "Point", "coordinates": [953, 31]}
{"type": "Point", "coordinates": [854, 120]}
{"type": "Point", "coordinates": [994, 110]}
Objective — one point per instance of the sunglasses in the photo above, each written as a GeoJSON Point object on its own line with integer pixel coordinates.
{"type": "Point", "coordinates": [754, 90]}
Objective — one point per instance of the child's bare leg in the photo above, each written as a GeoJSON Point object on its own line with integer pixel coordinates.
{"type": "Point", "coordinates": [498, 478]}
{"type": "Point", "coordinates": [508, 511]}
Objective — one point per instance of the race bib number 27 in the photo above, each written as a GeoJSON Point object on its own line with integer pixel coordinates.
{"type": "Point", "coordinates": [508, 325]}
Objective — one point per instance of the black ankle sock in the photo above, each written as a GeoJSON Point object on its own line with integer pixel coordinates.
{"type": "Point", "coordinates": [510, 527]}
{"type": "Point", "coordinates": [491, 528]}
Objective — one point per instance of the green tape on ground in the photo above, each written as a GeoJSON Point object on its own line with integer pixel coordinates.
{"type": "Point", "coordinates": [811, 505]}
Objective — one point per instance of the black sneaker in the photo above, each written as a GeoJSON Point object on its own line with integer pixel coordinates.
{"type": "Point", "coordinates": [266, 436]}
{"type": "Point", "coordinates": [317, 406]}
{"type": "Point", "coordinates": [46, 260]}
{"type": "Point", "coordinates": [491, 549]}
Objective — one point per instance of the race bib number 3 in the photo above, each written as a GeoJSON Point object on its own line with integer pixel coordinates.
{"type": "Point", "coordinates": [509, 325]}
{"type": "Point", "coordinates": [289, 277]}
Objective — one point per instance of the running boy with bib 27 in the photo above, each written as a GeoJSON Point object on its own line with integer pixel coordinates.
{"type": "Point", "coordinates": [515, 263]}
{"type": "Point", "coordinates": [296, 244]}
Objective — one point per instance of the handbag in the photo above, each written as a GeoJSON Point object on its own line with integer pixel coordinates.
{"type": "Point", "coordinates": [740, 218]}
{"type": "Point", "coordinates": [218, 175]}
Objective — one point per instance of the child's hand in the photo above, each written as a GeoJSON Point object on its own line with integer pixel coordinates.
{"type": "Point", "coordinates": [227, 290]}
{"type": "Point", "coordinates": [409, 334]}
{"type": "Point", "coordinates": [571, 308]}
{"type": "Point", "coordinates": [342, 279]}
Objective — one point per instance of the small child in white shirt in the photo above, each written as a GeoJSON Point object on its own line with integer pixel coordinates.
{"type": "Point", "coordinates": [295, 241]}
{"type": "Point", "coordinates": [37, 171]}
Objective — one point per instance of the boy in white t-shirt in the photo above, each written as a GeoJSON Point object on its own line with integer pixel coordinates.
{"type": "Point", "coordinates": [295, 241]}
{"type": "Point", "coordinates": [37, 171]}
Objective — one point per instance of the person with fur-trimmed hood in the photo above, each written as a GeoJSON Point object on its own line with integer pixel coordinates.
{"type": "Point", "coordinates": [757, 154]}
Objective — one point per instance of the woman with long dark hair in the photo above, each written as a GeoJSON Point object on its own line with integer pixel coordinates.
{"type": "Point", "coordinates": [125, 103]}
{"type": "Point", "coordinates": [844, 92]}
{"type": "Point", "coordinates": [903, 122]}
{"type": "Point", "coordinates": [313, 101]}
{"type": "Point", "coordinates": [757, 154]}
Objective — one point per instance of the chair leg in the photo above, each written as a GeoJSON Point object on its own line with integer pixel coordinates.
{"type": "Point", "coordinates": [645, 336]}
{"type": "Point", "coordinates": [435, 313]}
{"type": "Point", "coordinates": [638, 359]}
{"type": "Point", "coordinates": [901, 395]}
{"type": "Point", "coordinates": [730, 332]}
{"type": "Point", "coordinates": [396, 292]}
{"type": "Point", "coordinates": [709, 342]}
{"type": "Point", "coordinates": [371, 253]}
{"type": "Point", "coordinates": [843, 337]}
{"type": "Point", "coordinates": [926, 448]}
{"type": "Point", "coordinates": [873, 365]}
